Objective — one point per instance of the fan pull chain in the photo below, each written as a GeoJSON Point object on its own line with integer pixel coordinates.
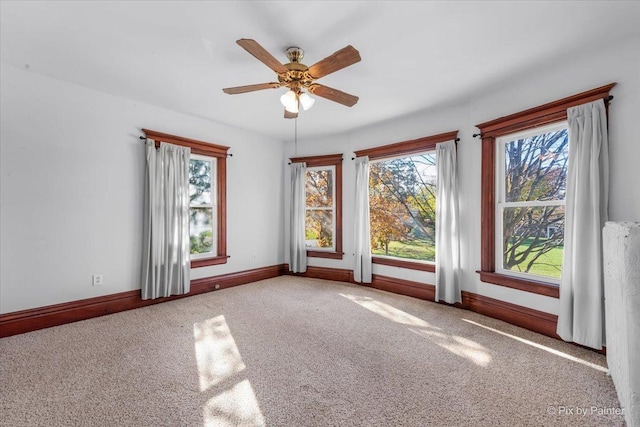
{"type": "Point", "coordinates": [296, 134]}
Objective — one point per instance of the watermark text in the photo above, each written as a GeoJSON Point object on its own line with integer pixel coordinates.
{"type": "Point", "coordinates": [583, 411]}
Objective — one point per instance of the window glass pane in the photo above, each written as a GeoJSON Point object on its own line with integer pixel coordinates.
{"type": "Point", "coordinates": [402, 199]}
{"type": "Point", "coordinates": [319, 228]}
{"type": "Point", "coordinates": [200, 182]}
{"type": "Point", "coordinates": [201, 230]}
{"type": "Point", "coordinates": [319, 188]}
{"type": "Point", "coordinates": [533, 240]}
{"type": "Point", "coordinates": [536, 167]}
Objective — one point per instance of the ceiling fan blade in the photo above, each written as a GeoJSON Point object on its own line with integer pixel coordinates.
{"type": "Point", "coordinates": [337, 61]}
{"type": "Point", "coordinates": [289, 115]}
{"type": "Point", "coordinates": [262, 55]}
{"type": "Point", "coordinates": [334, 95]}
{"type": "Point", "coordinates": [250, 88]}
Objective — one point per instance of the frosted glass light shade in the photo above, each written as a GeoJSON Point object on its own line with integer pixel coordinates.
{"type": "Point", "coordinates": [290, 101]}
{"type": "Point", "coordinates": [292, 109]}
{"type": "Point", "coordinates": [306, 101]}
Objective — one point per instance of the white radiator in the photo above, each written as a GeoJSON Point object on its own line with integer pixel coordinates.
{"type": "Point", "coordinates": [621, 246]}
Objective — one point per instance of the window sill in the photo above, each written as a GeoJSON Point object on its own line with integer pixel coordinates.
{"type": "Point", "coordinates": [404, 264]}
{"type": "Point", "coordinates": [532, 286]}
{"type": "Point", "coordinates": [323, 254]}
{"type": "Point", "coordinates": [195, 263]}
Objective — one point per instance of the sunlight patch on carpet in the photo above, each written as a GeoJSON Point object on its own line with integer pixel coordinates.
{"type": "Point", "coordinates": [459, 346]}
{"type": "Point", "coordinates": [237, 406]}
{"type": "Point", "coordinates": [387, 311]}
{"type": "Point", "coordinates": [542, 347]}
{"type": "Point", "coordinates": [216, 352]}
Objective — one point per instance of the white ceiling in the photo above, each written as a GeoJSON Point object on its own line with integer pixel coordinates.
{"type": "Point", "coordinates": [415, 55]}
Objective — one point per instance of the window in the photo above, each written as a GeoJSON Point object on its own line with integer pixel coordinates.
{"type": "Point", "coordinates": [402, 202]}
{"type": "Point", "coordinates": [320, 208]}
{"type": "Point", "coordinates": [524, 160]}
{"type": "Point", "coordinates": [530, 192]}
{"type": "Point", "coordinates": [208, 198]}
{"type": "Point", "coordinates": [202, 213]}
{"type": "Point", "coordinates": [323, 219]}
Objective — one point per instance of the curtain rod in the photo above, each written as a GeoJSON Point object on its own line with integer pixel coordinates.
{"type": "Point", "coordinates": [144, 138]}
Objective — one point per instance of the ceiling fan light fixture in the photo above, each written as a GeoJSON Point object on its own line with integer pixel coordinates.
{"type": "Point", "coordinates": [297, 76]}
{"type": "Point", "coordinates": [292, 109]}
{"type": "Point", "coordinates": [290, 101]}
{"type": "Point", "coordinates": [306, 100]}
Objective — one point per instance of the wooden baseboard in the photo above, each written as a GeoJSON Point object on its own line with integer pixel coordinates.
{"type": "Point", "coordinates": [534, 320]}
{"type": "Point", "coordinates": [53, 315]}
{"type": "Point", "coordinates": [59, 314]}
{"type": "Point", "coordinates": [403, 287]}
{"type": "Point", "coordinates": [336, 274]}
{"type": "Point", "coordinates": [208, 284]}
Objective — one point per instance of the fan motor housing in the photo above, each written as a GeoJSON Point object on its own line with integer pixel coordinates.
{"type": "Point", "coordinates": [297, 75]}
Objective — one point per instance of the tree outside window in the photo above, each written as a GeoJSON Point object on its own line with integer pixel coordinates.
{"type": "Point", "coordinates": [320, 208]}
{"type": "Point", "coordinates": [201, 206]}
{"type": "Point", "coordinates": [402, 202]}
{"type": "Point", "coordinates": [530, 193]}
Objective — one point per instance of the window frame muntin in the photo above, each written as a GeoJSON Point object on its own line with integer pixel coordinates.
{"type": "Point", "coordinates": [405, 148]}
{"type": "Point", "coordinates": [332, 209]}
{"type": "Point", "coordinates": [548, 113]}
{"type": "Point", "coordinates": [220, 153]}
{"type": "Point", "coordinates": [327, 160]}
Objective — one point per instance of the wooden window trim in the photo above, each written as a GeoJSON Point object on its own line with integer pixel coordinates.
{"type": "Point", "coordinates": [533, 286]}
{"type": "Point", "coordinates": [336, 161]}
{"type": "Point", "coordinates": [413, 146]}
{"type": "Point", "coordinates": [220, 153]}
{"type": "Point", "coordinates": [405, 148]}
{"type": "Point", "coordinates": [551, 112]}
{"type": "Point", "coordinates": [545, 114]}
{"type": "Point", "coordinates": [411, 265]}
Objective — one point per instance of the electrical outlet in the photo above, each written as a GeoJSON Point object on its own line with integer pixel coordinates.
{"type": "Point", "coordinates": [97, 280]}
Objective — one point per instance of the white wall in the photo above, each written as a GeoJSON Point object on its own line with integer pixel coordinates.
{"type": "Point", "coordinates": [564, 77]}
{"type": "Point", "coordinates": [72, 184]}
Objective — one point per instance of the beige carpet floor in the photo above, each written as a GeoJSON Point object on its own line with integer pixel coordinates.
{"type": "Point", "coordinates": [291, 351]}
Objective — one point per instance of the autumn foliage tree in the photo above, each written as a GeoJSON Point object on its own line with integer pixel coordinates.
{"type": "Point", "coordinates": [319, 202]}
{"type": "Point", "coordinates": [388, 219]}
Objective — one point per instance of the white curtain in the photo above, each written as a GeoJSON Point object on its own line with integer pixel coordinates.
{"type": "Point", "coordinates": [362, 267]}
{"type": "Point", "coordinates": [447, 225]}
{"type": "Point", "coordinates": [297, 247]}
{"type": "Point", "coordinates": [581, 315]}
{"type": "Point", "coordinates": [165, 261]}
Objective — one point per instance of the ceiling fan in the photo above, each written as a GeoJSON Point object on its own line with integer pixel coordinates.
{"type": "Point", "coordinates": [296, 76]}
